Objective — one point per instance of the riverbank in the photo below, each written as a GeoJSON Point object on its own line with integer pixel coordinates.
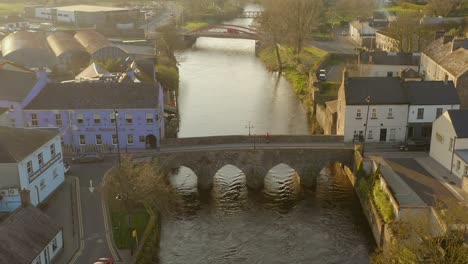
{"type": "Point", "coordinates": [299, 70]}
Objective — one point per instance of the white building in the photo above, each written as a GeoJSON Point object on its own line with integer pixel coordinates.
{"type": "Point", "coordinates": [384, 64]}
{"type": "Point", "coordinates": [29, 236]}
{"type": "Point", "coordinates": [363, 32]}
{"type": "Point", "coordinates": [395, 107]}
{"type": "Point", "coordinates": [449, 142]}
{"type": "Point", "coordinates": [30, 159]}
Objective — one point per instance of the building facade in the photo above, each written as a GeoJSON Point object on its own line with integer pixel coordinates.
{"type": "Point", "coordinates": [31, 160]}
{"type": "Point", "coordinates": [131, 117]}
{"type": "Point", "coordinates": [449, 142]}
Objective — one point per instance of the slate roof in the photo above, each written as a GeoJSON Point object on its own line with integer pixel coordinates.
{"type": "Point", "coordinates": [16, 85]}
{"type": "Point", "coordinates": [455, 62]}
{"type": "Point", "coordinates": [18, 143]}
{"type": "Point", "coordinates": [24, 234]}
{"type": "Point", "coordinates": [459, 120]}
{"type": "Point", "coordinates": [391, 90]}
{"type": "Point", "coordinates": [389, 58]}
{"type": "Point", "coordinates": [462, 154]}
{"type": "Point", "coordinates": [431, 93]}
{"type": "Point", "coordinates": [382, 90]}
{"type": "Point", "coordinates": [96, 95]}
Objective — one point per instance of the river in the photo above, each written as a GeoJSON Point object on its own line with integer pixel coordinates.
{"type": "Point", "coordinates": [223, 87]}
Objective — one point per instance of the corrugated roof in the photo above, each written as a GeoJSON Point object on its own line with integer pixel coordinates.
{"type": "Point", "coordinates": [61, 42]}
{"type": "Point", "coordinates": [456, 62]}
{"type": "Point", "coordinates": [24, 40]}
{"type": "Point", "coordinates": [459, 120]}
{"type": "Point", "coordinates": [24, 234]}
{"type": "Point", "coordinates": [16, 85]}
{"type": "Point", "coordinates": [96, 95]}
{"type": "Point", "coordinates": [431, 93]}
{"type": "Point", "coordinates": [382, 90]}
{"type": "Point", "coordinates": [18, 143]}
{"type": "Point", "coordinates": [92, 41]}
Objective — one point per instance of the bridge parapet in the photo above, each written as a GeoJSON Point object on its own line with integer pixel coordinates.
{"type": "Point", "coordinates": [238, 139]}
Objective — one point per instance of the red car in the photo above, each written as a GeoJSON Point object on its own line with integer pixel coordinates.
{"type": "Point", "coordinates": [104, 261]}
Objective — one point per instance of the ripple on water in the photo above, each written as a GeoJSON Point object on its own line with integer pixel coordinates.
{"type": "Point", "coordinates": [229, 189]}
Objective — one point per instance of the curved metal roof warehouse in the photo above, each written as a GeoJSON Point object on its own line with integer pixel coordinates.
{"type": "Point", "coordinates": [28, 49]}
{"type": "Point", "coordinates": [67, 49]}
{"type": "Point", "coordinates": [99, 47]}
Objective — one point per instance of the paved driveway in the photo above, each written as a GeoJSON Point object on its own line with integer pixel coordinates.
{"type": "Point", "coordinates": [426, 186]}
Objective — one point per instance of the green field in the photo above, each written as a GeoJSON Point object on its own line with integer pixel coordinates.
{"type": "Point", "coordinates": [122, 231]}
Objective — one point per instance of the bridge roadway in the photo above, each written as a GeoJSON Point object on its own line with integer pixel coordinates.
{"type": "Point", "coordinates": [307, 155]}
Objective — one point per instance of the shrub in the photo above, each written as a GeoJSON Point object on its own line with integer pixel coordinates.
{"type": "Point", "coordinates": [383, 203]}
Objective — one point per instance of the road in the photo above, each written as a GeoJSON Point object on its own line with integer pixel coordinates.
{"type": "Point", "coordinates": [95, 243]}
{"type": "Point", "coordinates": [340, 44]}
{"type": "Point", "coordinates": [170, 11]}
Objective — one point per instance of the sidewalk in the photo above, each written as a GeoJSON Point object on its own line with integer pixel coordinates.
{"type": "Point", "coordinates": [61, 207]}
{"type": "Point", "coordinates": [443, 176]}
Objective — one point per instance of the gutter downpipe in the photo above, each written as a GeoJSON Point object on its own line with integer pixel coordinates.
{"type": "Point", "coordinates": [453, 153]}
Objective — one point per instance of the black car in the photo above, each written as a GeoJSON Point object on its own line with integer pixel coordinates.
{"type": "Point", "coordinates": [416, 145]}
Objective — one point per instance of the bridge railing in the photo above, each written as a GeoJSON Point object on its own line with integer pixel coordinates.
{"type": "Point", "coordinates": [218, 140]}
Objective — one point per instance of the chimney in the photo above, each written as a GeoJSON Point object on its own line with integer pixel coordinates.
{"type": "Point", "coordinates": [25, 198]}
{"type": "Point", "coordinates": [446, 79]}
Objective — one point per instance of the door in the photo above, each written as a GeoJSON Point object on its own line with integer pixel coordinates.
{"type": "Point", "coordinates": [383, 135]}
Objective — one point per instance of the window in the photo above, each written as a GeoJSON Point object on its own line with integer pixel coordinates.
{"type": "Point", "coordinates": [112, 118]}
{"type": "Point", "coordinates": [389, 74]}
{"type": "Point", "coordinates": [374, 113]}
{"type": "Point", "coordinates": [440, 138]}
{"type": "Point", "coordinates": [420, 113]}
{"type": "Point", "coordinates": [97, 118]}
{"type": "Point", "coordinates": [29, 167]}
{"type": "Point", "coordinates": [451, 144]}
{"type": "Point", "coordinates": [130, 139]}
{"type": "Point", "coordinates": [358, 113]}
{"type": "Point", "coordinates": [114, 139]}
{"type": "Point", "coordinates": [98, 139]}
{"type": "Point", "coordinates": [426, 132]}
{"type": "Point", "coordinates": [82, 140]}
{"type": "Point", "coordinates": [466, 171]}
{"type": "Point", "coordinates": [34, 120]}
{"type": "Point", "coordinates": [439, 112]}
{"type": "Point", "coordinates": [390, 113]}
{"type": "Point", "coordinates": [54, 245]}
{"type": "Point", "coordinates": [52, 150]}
{"type": "Point", "coordinates": [142, 139]}
{"type": "Point", "coordinates": [58, 119]}
{"type": "Point", "coordinates": [157, 117]}
{"type": "Point", "coordinates": [369, 136]}
{"type": "Point", "coordinates": [149, 118]}
{"type": "Point", "coordinates": [79, 118]}
{"type": "Point", "coordinates": [42, 184]}
{"type": "Point", "coordinates": [392, 134]}
{"type": "Point", "coordinates": [40, 159]}
{"type": "Point", "coordinates": [458, 165]}
{"type": "Point", "coordinates": [55, 173]}
{"type": "Point", "coordinates": [129, 118]}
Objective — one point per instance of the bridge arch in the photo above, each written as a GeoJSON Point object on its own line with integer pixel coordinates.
{"type": "Point", "coordinates": [224, 31]}
{"type": "Point", "coordinates": [184, 179]}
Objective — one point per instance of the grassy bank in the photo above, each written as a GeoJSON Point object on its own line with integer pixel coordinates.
{"type": "Point", "coordinates": [122, 229]}
{"type": "Point", "coordinates": [195, 25]}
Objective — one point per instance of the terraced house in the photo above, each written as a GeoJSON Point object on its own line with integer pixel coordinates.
{"type": "Point", "coordinates": [99, 115]}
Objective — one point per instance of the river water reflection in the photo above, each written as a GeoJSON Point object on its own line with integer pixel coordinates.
{"type": "Point", "coordinates": [223, 86]}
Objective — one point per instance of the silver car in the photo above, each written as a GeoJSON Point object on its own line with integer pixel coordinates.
{"type": "Point", "coordinates": [88, 157]}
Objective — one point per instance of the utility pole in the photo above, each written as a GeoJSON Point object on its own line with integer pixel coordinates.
{"type": "Point", "coordinates": [368, 99]}
{"type": "Point", "coordinates": [116, 115]}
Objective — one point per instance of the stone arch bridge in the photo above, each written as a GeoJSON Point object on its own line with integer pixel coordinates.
{"type": "Point", "coordinates": [307, 155]}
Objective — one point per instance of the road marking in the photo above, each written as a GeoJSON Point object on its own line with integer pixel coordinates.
{"type": "Point", "coordinates": [91, 188]}
{"type": "Point", "coordinates": [80, 220]}
{"type": "Point", "coordinates": [110, 243]}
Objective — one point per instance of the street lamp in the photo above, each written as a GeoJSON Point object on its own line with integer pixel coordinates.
{"type": "Point", "coordinates": [250, 126]}
{"type": "Point", "coordinates": [368, 99]}
{"type": "Point", "coordinates": [116, 114]}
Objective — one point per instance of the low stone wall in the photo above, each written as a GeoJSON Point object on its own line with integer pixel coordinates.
{"type": "Point", "coordinates": [219, 140]}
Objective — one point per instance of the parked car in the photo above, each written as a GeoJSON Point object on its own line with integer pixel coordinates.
{"type": "Point", "coordinates": [88, 157]}
{"type": "Point", "coordinates": [344, 33]}
{"type": "Point", "coordinates": [66, 167]}
{"type": "Point", "coordinates": [322, 75]}
{"type": "Point", "coordinates": [416, 145]}
{"type": "Point", "coordinates": [104, 261]}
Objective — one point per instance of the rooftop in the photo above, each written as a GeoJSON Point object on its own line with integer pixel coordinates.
{"type": "Point", "coordinates": [459, 120]}
{"type": "Point", "coordinates": [18, 143]}
{"type": "Point", "coordinates": [382, 90]}
{"type": "Point", "coordinates": [431, 93]}
{"type": "Point", "coordinates": [90, 8]}
{"type": "Point", "coordinates": [389, 58]}
{"type": "Point", "coordinates": [463, 154]}
{"type": "Point", "coordinates": [16, 85]}
{"type": "Point", "coordinates": [61, 42]}
{"type": "Point", "coordinates": [96, 95]}
{"type": "Point", "coordinates": [455, 61]}
{"type": "Point", "coordinates": [24, 234]}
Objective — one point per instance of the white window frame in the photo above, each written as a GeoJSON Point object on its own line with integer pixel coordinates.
{"type": "Point", "coordinates": [114, 139]}
{"type": "Point", "coordinates": [40, 159]}
{"type": "Point", "coordinates": [112, 118]}
{"type": "Point", "coordinates": [466, 171]}
{"type": "Point", "coordinates": [96, 119]}
{"type": "Point", "coordinates": [42, 184]}
{"type": "Point", "coordinates": [58, 120]}
{"type": "Point", "coordinates": [419, 117]}
{"type": "Point", "coordinates": [369, 134]}
{"type": "Point", "coordinates": [392, 135]}
{"type": "Point", "coordinates": [78, 118]}
{"type": "Point", "coordinates": [149, 119]}
{"type": "Point", "coordinates": [390, 113]}
{"type": "Point", "coordinates": [130, 136]}
{"type": "Point", "coordinates": [53, 151]}
{"type": "Point", "coordinates": [82, 139]}
{"type": "Point", "coordinates": [451, 144]}
{"type": "Point", "coordinates": [34, 121]}
{"type": "Point", "coordinates": [128, 118]}
{"type": "Point", "coordinates": [358, 113]}
{"type": "Point", "coordinates": [97, 140]}
{"type": "Point", "coordinates": [439, 113]}
{"type": "Point", "coordinates": [29, 167]}
{"type": "Point", "coordinates": [374, 113]}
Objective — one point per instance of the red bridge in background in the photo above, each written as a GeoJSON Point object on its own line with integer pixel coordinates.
{"type": "Point", "coordinates": [224, 31]}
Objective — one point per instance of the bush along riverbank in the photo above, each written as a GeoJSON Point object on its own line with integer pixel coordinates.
{"type": "Point", "coordinates": [299, 70]}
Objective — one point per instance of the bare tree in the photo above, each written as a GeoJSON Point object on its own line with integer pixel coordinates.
{"type": "Point", "coordinates": [442, 7]}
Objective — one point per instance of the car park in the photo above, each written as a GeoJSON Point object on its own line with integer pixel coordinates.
{"type": "Point", "coordinates": [88, 157]}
